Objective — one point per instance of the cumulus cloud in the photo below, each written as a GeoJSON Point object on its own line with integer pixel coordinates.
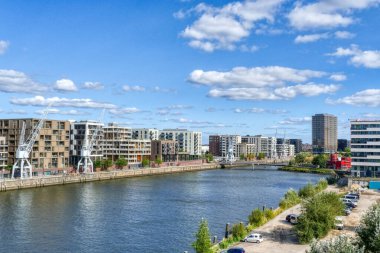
{"type": "Point", "coordinates": [308, 90]}
{"type": "Point", "coordinates": [327, 14]}
{"type": "Point", "coordinates": [93, 86]}
{"type": "Point", "coordinates": [133, 88]}
{"type": "Point", "coordinates": [310, 38]}
{"type": "Point", "coordinates": [368, 59]}
{"type": "Point", "coordinates": [65, 85]}
{"type": "Point", "coordinates": [260, 110]}
{"type": "Point", "coordinates": [61, 102]}
{"type": "Point", "coordinates": [344, 35]}
{"type": "Point", "coordinates": [13, 81]}
{"type": "Point", "coordinates": [369, 97]}
{"type": "Point", "coordinates": [223, 27]}
{"type": "Point", "coordinates": [257, 77]}
{"type": "Point", "coordinates": [3, 46]}
{"type": "Point", "coordinates": [126, 110]}
{"type": "Point", "coordinates": [338, 77]}
{"type": "Point", "coordinates": [60, 112]}
{"type": "Point", "coordinates": [295, 121]}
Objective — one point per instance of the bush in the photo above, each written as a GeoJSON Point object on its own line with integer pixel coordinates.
{"type": "Point", "coordinates": [369, 230]}
{"type": "Point", "coordinates": [202, 243]}
{"type": "Point", "coordinates": [257, 217]}
{"type": "Point", "coordinates": [307, 191]}
{"type": "Point", "coordinates": [321, 185]}
{"type": "Point", "coordinates": [320, 161]}
{"type": "Point", "coordinates": [290, 199]}
{"type": "Point", "coordinates": [269, 214]}
{"type": "Point", "coordinates": [238, 231]}
{"type": "Point", "coordinates": [318, 216]}
{"type": "Point", "coordinates": [340, 244]}
{"type": "Point", "coordinates": [331, 180]}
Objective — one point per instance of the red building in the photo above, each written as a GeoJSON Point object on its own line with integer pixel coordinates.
{"type": "Point", "coordinates": [339, 163]}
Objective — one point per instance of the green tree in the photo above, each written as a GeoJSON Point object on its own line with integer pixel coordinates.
{"type": "Point", "coordinates": [121, 163]}
{"type": "Point", "coordinates": [158, 161]}
{"type": "Point", "coordinates": [369, 230]}
{"type": "Point", "coordinates": [202, 243]}
{"type": "Point", "coordinates": [261, 156]}
{"type": "Point", "coordinates": [302, 157]}
{"type": "Point", "coordinates": [98, 164]}
{"type": "Point", "coordinates": [145, 162]}
{"type": "Point", "coordinates": [242, 157]}
{"type": "Point", "coordinates": [209, 157]}
{"type": "Point", "coordinates": [307, 191]}
{"type": "Point", "coordinates": [347, 152]}
{"type": "Point", "coordinates": [106, 164]}
{"type": "Point", "coordinates": [320, 160]}
{"type": "Point", "coordinates": [257, 217]}
{"type": "Point", "coordinates": [239, 231]}
{"type": "Point", "coordinates": [340, 244]}
{"type": "Point", "coordinates": [290, 199]}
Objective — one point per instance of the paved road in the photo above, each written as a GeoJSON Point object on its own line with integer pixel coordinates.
{"type": "Point", "coordinates": [279, 236]}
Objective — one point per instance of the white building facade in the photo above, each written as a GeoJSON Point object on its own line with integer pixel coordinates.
{"type": "Point", "coordinates": [285, 150]}
{"type": "Point", "coordinates": [227, 142]}
{"type": "Point", "coordinates": [245, 149]}
{"type": "Point", "coordinates": [266, 145]}
{"type": "Point", "coordinates": [152, 134]}
{"type": "Point", "coordinates": [365, 148]}
{"type": "Point", "coordinates": [189, 142]}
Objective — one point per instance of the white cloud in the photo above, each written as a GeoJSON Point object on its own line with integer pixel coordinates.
{"type": "Point", "coordinates": [224, 27]}
{"type": "Point", "coordinates": [93, 86]}
{"type": "Point", "coordinates": [368, 59]}
{"type": "Point", "coordinates": [244, 94]}
{"type": "Point", "coordinates": [257, 77]}
{"type": "Point", "coordinates": [310, 37]}
{"type": "Point", "coordinates": [295, 121]}
{"type": "Point", "coordinates": [260, 110]}
{"type": "Point", "coordinates": [369, 97]}
{"type": "Point", "coordinates": [133, 88]}
{"type": "Point", "coordinates": [13, 81]}
{"type": "Point", "coordinates": [344, 35]}
{"type": "Point", "coordinates": [3, 46]}
{"type": "Point", "coordinates": [338, 77]}
{"type": "Point", "coordinates": [327, 14]}
{"type": "Point", "coordinates": [308, 90]}
{"type": "Point", "coordinates": [60, 112]}
{"type": "Point", "coordinates": [65, 85]}
{"type": "Point", "coordinates": [61, 102]}
{"type": "Point", "coordinates": [126, 110]}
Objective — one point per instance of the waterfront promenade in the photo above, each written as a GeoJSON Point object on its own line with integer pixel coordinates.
{"type": "Point", "coordinates": [42, 181]}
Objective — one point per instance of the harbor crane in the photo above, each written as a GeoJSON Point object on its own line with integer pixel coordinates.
{"type": "Point", "coordinates": [85, 163]}
{"type": "Point", "coordinates": [24, 148]}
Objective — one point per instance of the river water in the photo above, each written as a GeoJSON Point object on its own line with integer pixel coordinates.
{"type": "Point", "coordinates": [146, 214]}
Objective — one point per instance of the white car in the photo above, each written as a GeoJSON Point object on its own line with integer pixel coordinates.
{"type": "Point", "coordinates": [349, 201]}
{"type": "Point", "coordinates": [254, 238]}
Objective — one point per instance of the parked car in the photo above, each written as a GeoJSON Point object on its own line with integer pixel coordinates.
{"type": "Point", "coordinates": [351, 197]}
{"type": "Point", "coordinates": [349, 201]}
{"type": "Point", "coordinates": [339, 223]}
{"type": "Point", "coordinates": [255, 237]}
{"type": "Point", "coordinates": [236, 250]}
{"type": "Point", "coordinates": [348, 210]}
{"type": "Point", "coordinates": [357, 194]}
{"type": "Point", "coordinates": [294, 219]}
{"type": "Point", "coordinates": [289, 216]}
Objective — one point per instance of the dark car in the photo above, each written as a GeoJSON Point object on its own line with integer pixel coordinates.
{"type": "Point", "coordinates": [290, 216]}
{"type": "Point", "coordinates": [236, 250]}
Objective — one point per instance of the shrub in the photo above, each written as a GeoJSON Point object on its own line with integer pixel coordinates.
{"type": "Point", "coordinates": [369, 229]}
{"type": "Point", "coordinates": [269, 214]}
{"type": "Point", "coordinates": [202, 243]}
{"type": "Point", "coordinates": [321, 185]}
{"type": "Point", "coordinates": [290, 199]}
{"type": "Point", "coordinates": [307, 191]}
{"type": "Point", "coordinates": [340, 244]}
{"type": "Point", "coordinates": [331, 180]}
{"type": "Point", "coordinates": [257, 217]}
{"type": "Point", "coordinates": [239, 231]}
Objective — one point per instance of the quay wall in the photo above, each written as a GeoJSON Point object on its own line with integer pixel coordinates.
{"type": "Point", "coordinates": [34, 182]}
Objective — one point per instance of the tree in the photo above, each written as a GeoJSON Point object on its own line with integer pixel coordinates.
{"type": "Point", "coordinates": [239, 231]}
{"type": "Point", "coordinates": [242, 156]}
{"type": "Point", "coordinates": [145, 162]}
{"type": "Point", "coordinates": [202, 243]}
{"type": "Point", "coordinates": [257, 217]}
{"type": "Point", "coordinates": [158, 161]}
{"type": "Point", "coordinates": [369, 230]}
{"type": "Point", "coordinates": [250, 156]}
{"type": "Point", "coordinates": [340, 244]}
{"type": "Point", "coordinates": [209, 157]}
{"type": "Point", "coordinates": [121, 163]}
{"type": "Point", "coordinates": [261, 156]}
{"type": "Point", "coordinates": [320, 161]}
{"type": "Point", "coordinates": [106, 164]}
{"type": "Point", "coordinates": [98, 164]}
{"type": "Point", "coordinates": [347, 152]}
{"type": "Point", "coordinates": [301, 157]}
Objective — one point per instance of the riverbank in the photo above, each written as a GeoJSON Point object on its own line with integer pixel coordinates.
{"type": "Point", "coordinates": [307, 170]}
{"type": "Point", "coordinates": [34, 182]}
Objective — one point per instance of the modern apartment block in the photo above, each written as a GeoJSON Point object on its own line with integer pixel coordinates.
{"type": "Point", "coordinates": [165, 150]}
{"type": "Point", "coordinates": [81, 133]}
{"type": "Point", "coordinates": [266, 145]}
{"type": "Point", "coordinates": [152, 134]}
{"type": "Point", "coordinates": [214, 145]}
{"type": "Point", "coordinates": [343, 144]}
{"type": "Point", "coordinates": [51, 148]}
{"type": "Point", "coordinates": [324, 133]}
{"type": "Point", "coordinates": [118, 143]}
{"type": "Point", "coordinates": [365, 147]}
{"type": "Point", "coordinates": [297, 145]}
{"type": "Point", "coordinates": [285, 150]}
{"type": "Point", "coordinates": [227, 142]}
{"type": "Point", "coordinates": [245, 149]}
{"type": "Point", "coordinates": [3, 155]}
{"type": "Point", "coordinates": [189, 142]}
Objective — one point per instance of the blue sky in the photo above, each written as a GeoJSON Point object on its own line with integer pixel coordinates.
{"type": "Point", "coordinates": [242, 67]}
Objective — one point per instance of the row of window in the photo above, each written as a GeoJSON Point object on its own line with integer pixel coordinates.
{"type": "Point", "coordinates": [364, 140]}
{"type": "Point", "coordinates": [364, 126]}
{"type": "Point", "coordinates": [366, 160]}
{"type": "Point", "coordinates": [364, 154]}
{"type": "Point", "coordinates": [365, 146]}
{"type": "Point", "coordinates": [365, 132]}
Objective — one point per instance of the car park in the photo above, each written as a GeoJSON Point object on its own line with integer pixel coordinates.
{"type": "Point", "coordinates": [255, 237]}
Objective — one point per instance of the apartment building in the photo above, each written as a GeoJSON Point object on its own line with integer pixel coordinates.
{"type": "Point", "coordinates": [297, 145]}
{"type": "Point", "coordinates": [365, 148]}
{"type": "Point", "coordinates": [165, 150]}
{"type": "Point", "coordinates": [118, 143]}
{"type": "Point", "coordinates": [285, 150]}
{"type": "Point", "coordinates": [343, 144]}
{"type": "Point", "coordinates": [81, 133]}
{"type": "Point", "coordinates": [3, 156]}
{"type": "Point", "coordinates": [245, 149]}
{"type": "Point", "coordinates": [324, 133]}
{"type": "Point", "coordinates": [51, 148]}
{"type": "Point", "coordinates": [189, 142]}
{"type": "Point", "coordinates": [227, 142]}
{"type": "Point", "coordinates": [266, 145]}
{"type": "Point", "coordinates": [145, 134]}
{"type": "Point", "coordinates": [214, 145]}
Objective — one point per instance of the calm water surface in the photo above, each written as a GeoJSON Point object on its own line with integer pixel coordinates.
{"type": "Point", "coordinates": [148, 214]}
